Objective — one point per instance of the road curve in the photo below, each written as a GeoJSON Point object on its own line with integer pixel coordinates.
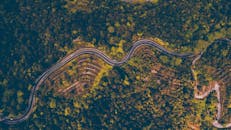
{"type": "Point", "coordinates": [215, 87]}
{"type": "Point", "coordinates": [39, 81]}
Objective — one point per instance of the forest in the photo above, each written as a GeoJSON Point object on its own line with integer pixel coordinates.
{"type": "Point", "coordinates": [36, 34]}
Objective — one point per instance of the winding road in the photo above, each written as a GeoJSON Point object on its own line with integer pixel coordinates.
{"type": "Point", "coordinates": [212, 87]}
{"type": "Point", "coordinates": [39, 81]}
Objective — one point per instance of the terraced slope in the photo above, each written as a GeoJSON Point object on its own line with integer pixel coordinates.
{"type": "Point", "coordinates": [77, 77]}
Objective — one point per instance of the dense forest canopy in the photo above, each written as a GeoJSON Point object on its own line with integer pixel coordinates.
{"type": "Point", "coordinates": [36, 34]}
